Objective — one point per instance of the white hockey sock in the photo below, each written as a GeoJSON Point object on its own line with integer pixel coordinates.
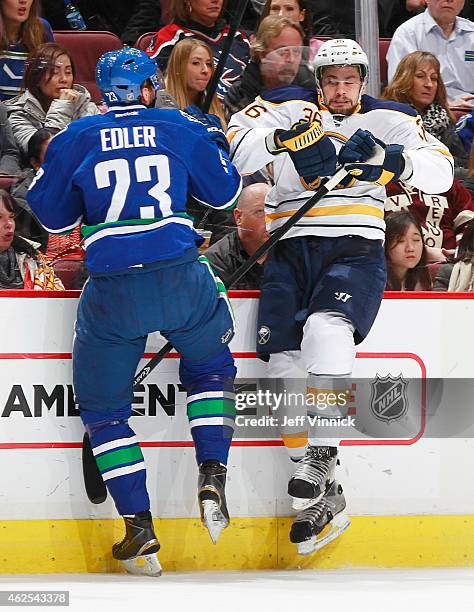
{"type": "Point", "coordinates": [285, 369]}
{"type": "Point", "coordinates": [328, 398]}
{"type": "Point", "coordinates": [328, 352]}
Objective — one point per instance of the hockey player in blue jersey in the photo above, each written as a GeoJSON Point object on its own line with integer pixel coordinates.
{"type": "Point", "coordinates": [125, 177]}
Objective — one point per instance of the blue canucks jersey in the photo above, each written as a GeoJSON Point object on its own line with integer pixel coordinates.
{"type": "Point", "coordinates": [125, 176]}
{"type": "Point", "coordinates": [12, 64]}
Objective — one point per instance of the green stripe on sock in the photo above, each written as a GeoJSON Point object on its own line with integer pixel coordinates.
{"type": "Point", "coordinates": [119, 457]}
{"type": "Point", "coordinates": [212, 406]}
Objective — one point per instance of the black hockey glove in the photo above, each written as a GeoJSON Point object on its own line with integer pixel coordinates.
{"type": "Point", "coordinates": [213, 123]}
{"type": "Point", "coordinates": [311, 152]}
{"type": "Point", "coordinates": [384, 163]}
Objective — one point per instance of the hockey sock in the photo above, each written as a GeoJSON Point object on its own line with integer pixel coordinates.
{"type": "Point", "coordinates": [210, 404]}
{"type": "Point", "coordinates": [292, 415]}
{"type": "Point", "coordinates": [295, 444]}
{"type": "Point", "coordinates": [211, 413]}
{"type": "Point", "coordinates": [120, 461]}
{"type": "Point", "coordinates": [328, 398]}
{"type": "Point", "coordinates": [284, 368]}
{"type": "Point", "coordinates": [328, 352]}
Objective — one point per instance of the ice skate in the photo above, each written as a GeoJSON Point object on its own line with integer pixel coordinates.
{"type": "Point", "coordinates": [137, 551]}
{"type": "Point", "coordinates": [308, 531]}
{"type": "Point", "coordinates": [313, 477]}
{"type": "Point", "coordinates": [211, 495]}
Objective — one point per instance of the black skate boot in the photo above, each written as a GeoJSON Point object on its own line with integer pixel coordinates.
{"type": "Point", "coordinates": [309, 524]}
{"type": "Point", "coordinates": [313, 477]}
{"type": "Point", "coordinates": [137, 551]}
{"type": "Point", "coordinates": [211, 496]}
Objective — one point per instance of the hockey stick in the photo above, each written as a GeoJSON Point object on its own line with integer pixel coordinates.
{"type": "Point", "coordinates": [233, 27]}
{"type": "Point", "coordinates": [95, 487]}
{"type": "Point", "coordinates": [323, 189]}
{"type": "Point", "coordinates": [213, 83]}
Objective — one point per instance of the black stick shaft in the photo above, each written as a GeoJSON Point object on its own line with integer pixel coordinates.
{"type": "Point", "coordinates": [213, 83]}
{"type": "Point", "coordinates": [251, 261]}
{"type": "Point", "coordinates": [285, 228]}
{"type": "Point", "coordinates": [233, 27]}
{"type": "Point", "coordinates": [94, 482]}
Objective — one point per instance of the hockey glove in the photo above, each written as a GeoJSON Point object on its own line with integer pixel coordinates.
{"type": "Point", "coordinates": [213, 124]}
{"type": "Point", "coordinates": [311, 152]}
{"type": "Point", "coordinates": [383, 163]}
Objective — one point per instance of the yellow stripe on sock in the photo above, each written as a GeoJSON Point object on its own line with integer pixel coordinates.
{"type": "Point", "coordinates": [295, 440]}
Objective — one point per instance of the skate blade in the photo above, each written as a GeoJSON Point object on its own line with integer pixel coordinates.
{"type": "Point", "coordinates": [143, 565]}
{"type": "Point", "coordinates": [301, 503]}
{"type": "Point", "coordinates": [213, 519]}
{"type": "Point", "coordinates": [337, 526]}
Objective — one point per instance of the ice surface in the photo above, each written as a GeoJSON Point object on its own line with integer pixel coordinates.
{"type": "Point", "coordinates": [370, 590]}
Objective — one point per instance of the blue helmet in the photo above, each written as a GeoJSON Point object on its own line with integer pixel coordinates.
{"type": "Point", "coordinates": [119, 74]}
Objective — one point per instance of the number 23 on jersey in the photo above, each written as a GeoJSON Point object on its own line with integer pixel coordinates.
{"type": "Point", "coordinates": [124, 172]}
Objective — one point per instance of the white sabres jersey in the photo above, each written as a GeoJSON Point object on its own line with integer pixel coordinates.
{"type": "Point", "coordinates": [357, 209]}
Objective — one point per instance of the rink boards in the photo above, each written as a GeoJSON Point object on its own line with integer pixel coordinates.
{"type": "Point", "coordinates": [411, 499]}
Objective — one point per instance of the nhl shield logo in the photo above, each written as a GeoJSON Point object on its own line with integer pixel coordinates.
{"type": "Point", "coordinates": [389, 398]}
{"type": "Point", "coordinates": [263, 334]}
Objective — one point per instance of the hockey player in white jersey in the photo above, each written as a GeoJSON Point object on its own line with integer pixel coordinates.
{"type": "Point", "coordinates": [323, 283]}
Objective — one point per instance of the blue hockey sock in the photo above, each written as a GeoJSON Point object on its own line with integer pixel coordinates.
{"type": "Point", "coordinates": [120, 461]}
{"type": "Point", "coordinates": [211, 414]}
{"type": "Point", "coordinates": [211, 405]}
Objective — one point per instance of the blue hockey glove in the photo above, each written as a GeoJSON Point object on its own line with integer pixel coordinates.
{"type": "Point", "coordinates": [359, 147]}
{"type": "Point", "coordinates": [213, 123]}
{"type": "Point", "coordinates": [311, 152]}
{"type": "Point", "coordinates": [378, 163]}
